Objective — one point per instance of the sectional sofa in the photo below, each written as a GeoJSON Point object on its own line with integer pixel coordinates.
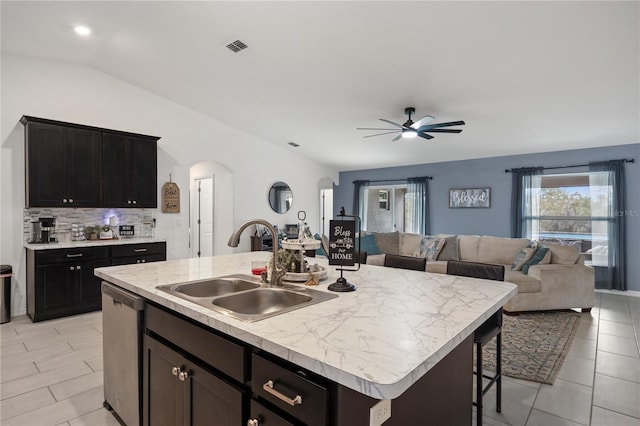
{"type": "Point", "coordinates": [560, 280]}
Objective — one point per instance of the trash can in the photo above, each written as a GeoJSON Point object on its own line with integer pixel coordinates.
{"type": "Point", "coordinates": [5, 293]}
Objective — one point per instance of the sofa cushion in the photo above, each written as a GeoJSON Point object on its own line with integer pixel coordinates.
{"type": "Point", "coordinates": [525, 283]}
{"type": "Point", "coordinates": [410, 243]}
{"type": "Point", "coordinates": [376, 259]}
{"type": "Point", "coordinates": [405, 262]}
{"type": "Point", "coordinates": [499, 250]}
{"type": "Point", "coordinates": [449, 249]}
{"type": "Point", "coordinates": [437, 266]}
{"type": "Point", "coordinates": [523, 255]}
{"type": "Point", "coordinates": [468, 247]}
{"type": "Point", "coordinates": [430, 248]}
{"type": "Point", "coordinates": [563, 254]}
{"type": "Point", "coordinates": [388, 242]}
{"type": "Point", "coordinates": [541, 253]}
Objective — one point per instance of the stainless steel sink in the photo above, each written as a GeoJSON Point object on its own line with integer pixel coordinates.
{"type": "Point", "coordinates": [214, 287]}
{"type": "Point", "coordinates": [244, 298]}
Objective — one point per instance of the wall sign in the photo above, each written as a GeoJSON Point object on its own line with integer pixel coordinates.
{"type": "Point", "coordinates": [342, 242]}
{"type": "Point", "coordinates": [470, 198]}
{"type": "Point", "coordinates": [170, 198]}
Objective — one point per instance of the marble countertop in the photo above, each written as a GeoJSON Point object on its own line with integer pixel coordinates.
{"type": "Point", "coordinates": [92, 243]}
{"type": "Point", "coordinates": [377, 340]}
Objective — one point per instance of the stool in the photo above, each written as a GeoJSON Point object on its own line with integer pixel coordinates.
{"type": "Point", "coordinates": [491, 328]}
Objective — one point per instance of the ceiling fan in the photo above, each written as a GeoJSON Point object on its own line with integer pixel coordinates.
{"type": "Point", "coordinates": [411, 129]}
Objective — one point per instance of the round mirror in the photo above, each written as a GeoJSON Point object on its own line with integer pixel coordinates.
{"type": "Point", "coordinates": [280, 197]}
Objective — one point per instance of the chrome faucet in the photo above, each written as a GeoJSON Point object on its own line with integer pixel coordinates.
{"type": "Point", "coordinates": [277, 272]}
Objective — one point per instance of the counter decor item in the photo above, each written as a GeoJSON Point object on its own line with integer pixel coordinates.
{"type": "Point", "coordinates": [170, 197]}
{"type": "Point", "coordinates": [292, 254]}
{"type": "Point", "coordinates": [342, 250]}
{"type": "Point", "coordinates": [91, 232]}
{"type": "Point", "coordinates": [106, 233]}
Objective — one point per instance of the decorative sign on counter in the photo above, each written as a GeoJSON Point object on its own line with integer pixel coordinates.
{"type": "Point", "coordinates": [342, 243]}
{"type": "Point", "coordinates": [170, 198]}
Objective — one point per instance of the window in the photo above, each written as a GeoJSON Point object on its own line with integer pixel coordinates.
{"type": "Point", "coordinates": [383, 208]}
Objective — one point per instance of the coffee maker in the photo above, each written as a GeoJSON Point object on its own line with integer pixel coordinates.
{"type": "Point", "coordinates": [43, 231]}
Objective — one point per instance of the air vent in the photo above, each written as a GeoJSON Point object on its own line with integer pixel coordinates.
{"type": "Point", "coordinates": [236, 46]}
{"type": "Point", "coordinates": [293, 144]}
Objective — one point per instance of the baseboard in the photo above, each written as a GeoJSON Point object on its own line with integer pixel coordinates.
{"type": "Point", "coordinates": [631, 293]}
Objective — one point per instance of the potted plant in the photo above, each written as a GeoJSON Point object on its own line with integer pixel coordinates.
{"type": "Point", "coordinates": [91, 232]}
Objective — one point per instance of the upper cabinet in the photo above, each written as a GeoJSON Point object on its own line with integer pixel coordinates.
{"type": "Point", "coordinates": [71, 165]}
{"type": "Point", "coordinates": [129, 171]}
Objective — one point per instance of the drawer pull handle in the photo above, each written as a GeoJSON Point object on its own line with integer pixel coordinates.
{"type": "Point", "coordinates": [139, 250]}
{"type": "Point", "coordinates": [268, 387]}
{"type": "Point", "coordinates": [253, 422]}
{"type": "Point", "coordinates": [75, 255]}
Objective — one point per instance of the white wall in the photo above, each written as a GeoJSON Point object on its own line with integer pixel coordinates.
{"type": "Point", "coordinates": [78, 94]}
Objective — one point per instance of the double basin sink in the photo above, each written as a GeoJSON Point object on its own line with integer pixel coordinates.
{"type": "Point", "coordinates": [243, 297]}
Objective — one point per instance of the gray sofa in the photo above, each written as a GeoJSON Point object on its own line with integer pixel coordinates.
{"type": "Point", "coordinates": [559, 281]}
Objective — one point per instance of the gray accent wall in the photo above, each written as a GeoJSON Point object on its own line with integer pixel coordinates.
{"type": "Point", "coordinates": [490, 172]}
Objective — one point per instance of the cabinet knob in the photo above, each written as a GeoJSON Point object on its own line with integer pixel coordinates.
{"type": "Point", "coordinates": [72, 268]}
{"type": "Point", "coordinates": [71, 200]}
{"type": "Point", "coordinates": [78, 267]}
{"type": "Point", "coordinates": [143, 261]}
{"type": "Point", "coordinates": [128, 201]}
{"type": "Point", "coordinates": [253, 422]}
{"type": "Point", "coordinates": [135, 202]}
{"type": "Point", "coordinates": [64, 200]}
{"type": "Point", "coordinates": [175, 370]}
{"type": "Point", "coordinates": [183, 375]}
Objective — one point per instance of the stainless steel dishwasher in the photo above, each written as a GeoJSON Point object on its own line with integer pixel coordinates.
{"type": "Point", "coordinates": [122, 326]}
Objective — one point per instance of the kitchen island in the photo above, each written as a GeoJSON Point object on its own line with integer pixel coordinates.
{"type": "Point", "coordinates": [379, 342]}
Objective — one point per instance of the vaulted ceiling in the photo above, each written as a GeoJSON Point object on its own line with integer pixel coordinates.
{"type": "Point", "coordinates": [524, 76]}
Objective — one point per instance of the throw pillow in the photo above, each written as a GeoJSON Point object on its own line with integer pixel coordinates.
{"type": "Point", "coordinates": [541, 252]}
{"type": "Point", "coordinates": [319, 251]}
{"type": "Point", "coordinates": [524, 255]}
{"type": "Point", "coordinates": [369, 245]}
{"type": "Point", "coordinates": [564, 254]}
{"type": "Point", "coordinates": [449, 249]}
{"type": "Point", "coordinates": [430, 248]}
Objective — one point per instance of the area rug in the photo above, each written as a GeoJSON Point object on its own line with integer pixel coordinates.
{"type": "Point", "coordinates": [534, 345]}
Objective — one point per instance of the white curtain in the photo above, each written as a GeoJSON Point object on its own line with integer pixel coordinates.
{"type": "Point", "coordinates": [417, 206]}
{"type": "Point", "coordinates": [600, 194]}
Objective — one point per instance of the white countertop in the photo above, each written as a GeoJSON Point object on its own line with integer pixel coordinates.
{"type": "Point", "coordinates": [377, 340]}
{"type": "Point", "coordinates": [92, 243]}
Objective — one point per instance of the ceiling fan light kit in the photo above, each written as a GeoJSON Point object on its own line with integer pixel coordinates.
{"type": "Point", "coordinates": [411, 129]}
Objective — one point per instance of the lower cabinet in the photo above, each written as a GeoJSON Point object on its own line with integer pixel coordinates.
{"type": "Point", "coordinates": [178, 391]}
{"type": "Point", "coordinates": [61, 282]}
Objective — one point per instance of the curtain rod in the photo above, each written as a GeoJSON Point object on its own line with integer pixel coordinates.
{"type": "Point", "coordinates": [391, 180]}
{"type": "Point", "coordinates": [576, 165]}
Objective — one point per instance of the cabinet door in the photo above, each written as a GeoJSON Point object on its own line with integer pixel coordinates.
{"type": "Point", "coordinates": [56, 290]}
{"type": "Point", "coordinates": [89, 285]}
{"type": "Point", "coordinates": [46, 165]}
{"type": "Point", "coordinates": [210, 400]}
{"type": "Point", "coordinates": [116, 171]}
{"type": "Point", "coordinates": [162, 391]}
{"type": "Point", "coordinates": [144, 182]}
{"type": "Point", "coordinates": [84, 165]}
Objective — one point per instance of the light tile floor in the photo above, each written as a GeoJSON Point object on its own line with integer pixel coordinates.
{"type": "Point", "coordinates": [51, 374]}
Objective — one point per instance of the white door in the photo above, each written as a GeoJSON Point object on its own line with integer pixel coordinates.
{"type": "Point", "coordinates": [326, 210]}
{"type": "Point", "coordinates": [202, 212]}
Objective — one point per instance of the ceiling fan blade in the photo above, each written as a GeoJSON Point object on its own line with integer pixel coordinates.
{"type": "Point", "coordinates": [434, 126]}
{"type": "Point", "coordinates": [444, 130]}
{"type": "Point", "coordinates": [380, 134]}
{"type": "Point", "coordinates": [423, 121]}
{"type": "Point", "coordinates": [397, 138]}
{"type": "Point", "coordinates": [424, 135]}
{"type": "Point", "coordinates": [374, 128]}
{"type": "Point", "coordinates": [392, 123]}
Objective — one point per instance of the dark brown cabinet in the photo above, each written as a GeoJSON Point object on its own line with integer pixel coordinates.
{"type": "Point", "coordinates": [130, 173]}
{"type": "Point", "coordinates": [178, 391]}
{"type": "Point", "coordinates": [61, 282]}
{"type": "Point", "coordinates": [62, 166]}
{"type": "Point", "coordinates": [73, 165]}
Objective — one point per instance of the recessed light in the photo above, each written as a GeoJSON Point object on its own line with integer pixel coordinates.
{"type": "Point", "coordinates": [82, 30]}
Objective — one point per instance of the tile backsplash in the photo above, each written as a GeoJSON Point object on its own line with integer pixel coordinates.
{"type": "Point", "coordinates": [65, 217]}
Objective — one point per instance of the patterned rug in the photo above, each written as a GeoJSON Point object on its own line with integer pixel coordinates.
{"type": "Point", "coordinates": [534, 345]}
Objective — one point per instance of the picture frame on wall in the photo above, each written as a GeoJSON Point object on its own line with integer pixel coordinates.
{"type": "Point", "coordinates": [470, 198]}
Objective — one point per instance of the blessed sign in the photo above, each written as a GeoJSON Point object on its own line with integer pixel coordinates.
{"type": "Point", "coordinates": [170, 198]}
{"type": "Point", "coordinates": [342, 242]}
{"type": "Point", "coordinates": [470, 197]}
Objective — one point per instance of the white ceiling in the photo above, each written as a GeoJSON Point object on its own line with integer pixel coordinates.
{"type": "Point", "coordinates": [525, 76]}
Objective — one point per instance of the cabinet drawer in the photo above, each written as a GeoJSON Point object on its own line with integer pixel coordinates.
{"type": "Point", "coordinates": [71, 255]}
{"type": "Point", "coordinates": [220, 353]}
{"type": "Point", "coordinates": [312, 406]}
{"type": "Point", "coordinates": [265, 417]}
{"type": "Point", "coordinates": [127, 250]}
